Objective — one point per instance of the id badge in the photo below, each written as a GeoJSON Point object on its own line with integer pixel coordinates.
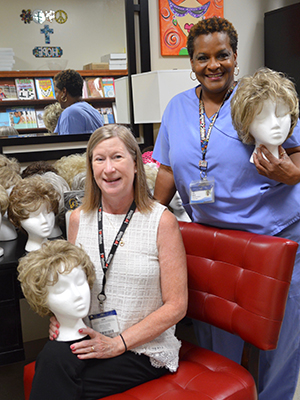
{"type": "Point", "coordinates": [106, 323]}
{"type": "Point", "coordinates": [203, 191]}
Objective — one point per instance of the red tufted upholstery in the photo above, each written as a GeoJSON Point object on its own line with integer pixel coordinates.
{"type": "Point", "coordinates": [239, 282]}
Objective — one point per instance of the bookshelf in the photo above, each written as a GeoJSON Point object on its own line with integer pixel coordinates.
{"type": "Point", "coordinates": [8, 77]}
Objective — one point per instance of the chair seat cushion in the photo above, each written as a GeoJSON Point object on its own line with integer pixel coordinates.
{"type": "Point", "coordinates": [202, 374]}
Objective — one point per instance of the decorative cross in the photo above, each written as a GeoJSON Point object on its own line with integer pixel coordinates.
{"type": "Point", "coordinates": [46, 31]}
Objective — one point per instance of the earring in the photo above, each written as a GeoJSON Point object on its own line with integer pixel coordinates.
{"type": "Point", "coordinates": [236, 70]}
{"type": "Point", "coordinates": [191, 76]}
{"type": "Point", "coordinates": [64, 100]}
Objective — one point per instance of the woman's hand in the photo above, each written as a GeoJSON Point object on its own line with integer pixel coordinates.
{"type": "Point", "coordinates": [98, 346]}
{"type": "Point", "coordinates": [53, 328]}
{"type": "Point", "coordinates": [281, 169]}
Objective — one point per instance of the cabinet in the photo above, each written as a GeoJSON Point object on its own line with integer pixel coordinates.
{"type": "Point", "coordinates": [8, 77]}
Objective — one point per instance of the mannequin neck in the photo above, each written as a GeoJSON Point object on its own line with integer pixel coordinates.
{"type": "Point", "coordinates": [68, 329]}
{"type": "Point", "coordinates": [34, 243]}
{"type": "Point", "coordinates": [272, 149]}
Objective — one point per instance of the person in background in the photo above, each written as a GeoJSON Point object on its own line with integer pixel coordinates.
{"type": "Point", "coordinates": [78, 116]}
{"type": "Point", "coordinates": [203, 158]}
{"type": "Point", "coordinates": [141, 275]}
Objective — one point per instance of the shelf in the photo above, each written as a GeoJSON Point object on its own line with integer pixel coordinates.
{"type": "Point", "coordinates": [44, 102]}
{"type": "Point", "coordinates": [51, 73]}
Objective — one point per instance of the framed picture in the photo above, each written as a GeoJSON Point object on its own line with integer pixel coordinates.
{"type": "Point", "coordinates": [176, 17]}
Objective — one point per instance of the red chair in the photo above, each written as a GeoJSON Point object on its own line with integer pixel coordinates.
{"type": "Point", "coordinates": [238, 281]}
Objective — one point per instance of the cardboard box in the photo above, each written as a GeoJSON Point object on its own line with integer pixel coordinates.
{"type": "Point", "coordinates": [96, 66]}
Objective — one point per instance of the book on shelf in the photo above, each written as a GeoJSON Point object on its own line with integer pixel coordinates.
{"type": "Point", "coordinates": [108, 87]}
{"type": "Point", "coordinates": [107, 115]}
{"type": "Point", "coordinates": [94, 87]}
{"type": "Point", "coordinates": [22, 117]}
{"type": "Point", "coordinates": [114, 56]}
{"type": "Point", "coordinates": [44, 88]}
{"type": "Point", "coordinates": [117, 62]}
{"type": "Point", "coordinates": [4, 119]}
{"type": "Point", "coordinates": [25, 89]}
{"type": "Point", "coordinates": [40, 119]}
{"type": "Point", "coordinates": [8, 92]}
{"type": "Point", "coordinates": [117, 66]}
{"type": "Point", "coordinates": [89, 66]}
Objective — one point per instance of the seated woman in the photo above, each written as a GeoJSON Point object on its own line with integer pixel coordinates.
{"type": "Point", "coordinates": [140, 291]}
{"type": "Point", "coordinates": [33, 204]}
{"type": "Point", "coordinates": [78, 116]}
{"type": "Point", "coordinates": [265, 110]}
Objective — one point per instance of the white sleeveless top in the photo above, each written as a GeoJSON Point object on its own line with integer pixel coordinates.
{"type": "Point", "coordinates": [133, 278]}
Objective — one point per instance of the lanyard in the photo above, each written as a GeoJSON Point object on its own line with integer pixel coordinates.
{"type": "Point", "coordinates": [105, 263]}
{"type": "Point", "coordinates": [204, 137]}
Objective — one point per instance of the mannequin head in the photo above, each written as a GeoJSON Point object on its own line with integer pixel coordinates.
{"type": "Point", "coordinates": [33, 204]}
{"type": "Point", "coordinates": [50, 116]}
{"type": "Point", "coordinates": [9, 177]}
{"type": "Point", "coordinates": [56, 279]}
{"type": "Point", "coordinates": [37, 167]}
{"type": "Point", "coordinates": [3, 200]}
{"type": "Point", "coordinates": [13, 163]}
{"type": "Point", "coordinates": [262, 104]}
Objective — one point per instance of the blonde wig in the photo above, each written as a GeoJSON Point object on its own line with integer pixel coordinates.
{"type": "Point", "coordinates": [69, 166]}
{"type": "Point", "coordinates": [12, 162]}
{"type": "Point", "coordinates": [9, 177]}
{"type": "Point", "coordinates": [50, 116]}
{"type": "Point", "coordinates": [28, 195]}
{"type": "Point", "coordinates": [142, 195]}
{"type": "Point", "coordinates": [41, 268]}
{"type": "Point", "coordinates": [3, 200]}
{"type": "Point", "coordinates": [247, 101]}
{"type": "Point", "coordinates": [6, 131]}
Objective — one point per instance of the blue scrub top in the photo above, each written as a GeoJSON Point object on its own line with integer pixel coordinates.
{"type": "Point", "coordinates": [244, 199]}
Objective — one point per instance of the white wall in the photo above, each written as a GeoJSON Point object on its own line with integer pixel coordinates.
{"type": "Point", "coordinates": [93, 28]}
{"type": "Point", "coordinates": [248, 19]}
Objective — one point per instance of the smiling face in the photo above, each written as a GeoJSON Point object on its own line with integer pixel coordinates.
{"type": "Point", "coordinates": [213, 62]}
{"type": "Point", "coordinates": [272, 125]}
{"type": "Point", "coordinates": [114, 172]}
{"type": "Point", "coordinates": [40, 223]}
{"type": "Point", "coordinates": [70, 296]}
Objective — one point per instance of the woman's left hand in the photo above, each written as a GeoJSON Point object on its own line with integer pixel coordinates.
{"type": "Point", "coordinates": [98, 346]}
{"type": "Point", "coordinates": [281, 169]}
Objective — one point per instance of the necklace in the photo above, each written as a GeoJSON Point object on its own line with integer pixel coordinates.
{"type": "Point", "coordinates": [122, 243]}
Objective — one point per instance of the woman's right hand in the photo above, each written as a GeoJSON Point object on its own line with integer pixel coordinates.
{"type": "Point", "coordinates": [53, 328]}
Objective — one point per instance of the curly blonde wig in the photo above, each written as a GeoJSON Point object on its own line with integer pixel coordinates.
{"type": "Point", "coordinates": [3, 200]}
{"type": "Point", "coordinates": [142, 195]}
{"type": "Point", "coordinates": [247, 101]}
{"type": "Point", "coordinates": [9, 177]}
{"type": "Point", "coordinates": [12, 162]}
{"type": "Point", "coordinates": [28, 195]}
{"type": "Point", "coordinates": [69, 166]}
{"type": "Point", "coordinates": [40, 269]}
{"type": "Point", "coordinates": [50, 116]}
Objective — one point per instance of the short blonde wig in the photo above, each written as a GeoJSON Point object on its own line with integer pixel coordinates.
{"type": "Point", "coordinates": [3, 200]}
{"type": "Point", "coordinates": [142, 195]}
{"type": "Point", "coordinates": [69, 166]}
{"type": "Point", "coordinates": [28, 195]}
{"type": "Point", "coordinates": [247, 101]}
{"type": "Point", "coordinates": [9, 177]}
{"type": "Point", "coordinates": [50, 116]}
{"type": "Point", "coordinates": [40, 269]}
{"type": "Point", "coordinates": [12, 162]}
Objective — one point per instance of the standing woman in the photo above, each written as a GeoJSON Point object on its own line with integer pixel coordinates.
{"type": "Point", "coordinates": [201, 155]}
{"type": "Point", "coordinates": [78, 116]}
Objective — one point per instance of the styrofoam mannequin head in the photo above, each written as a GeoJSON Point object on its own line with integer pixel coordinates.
{"type": "Point", "coordinates": [38, 226]}
{"type": "Point", "coordinates": [271, 126]}
{"type": "Point", "coordinates": [69, 300]}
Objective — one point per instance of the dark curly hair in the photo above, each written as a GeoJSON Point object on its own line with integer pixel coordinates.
{"type": "Point", "coordinates": [71, 80]}
{"type": "Point", "coordinates": [211, 25]}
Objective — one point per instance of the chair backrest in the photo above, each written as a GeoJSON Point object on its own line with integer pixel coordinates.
{"type": "Point", "coordinates": [238, 281]}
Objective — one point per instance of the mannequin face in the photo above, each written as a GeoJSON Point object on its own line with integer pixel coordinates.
{"type": "Point", "coordinates": [40, 223]}
{"type": "Point", "coordinates": [70, 296]}
{"type": "Point", "coordinates": [271, 126]}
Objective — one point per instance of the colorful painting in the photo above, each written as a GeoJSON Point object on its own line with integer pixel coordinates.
{"type": "Point", "coordinates": [176, 18]}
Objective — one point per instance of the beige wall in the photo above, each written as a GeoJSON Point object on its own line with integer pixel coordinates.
{"type": "Point", "coordinates": [93, 28]}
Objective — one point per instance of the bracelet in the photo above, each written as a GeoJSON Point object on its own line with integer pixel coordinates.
{"type": "Point", "coordinates": [123, 341]}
